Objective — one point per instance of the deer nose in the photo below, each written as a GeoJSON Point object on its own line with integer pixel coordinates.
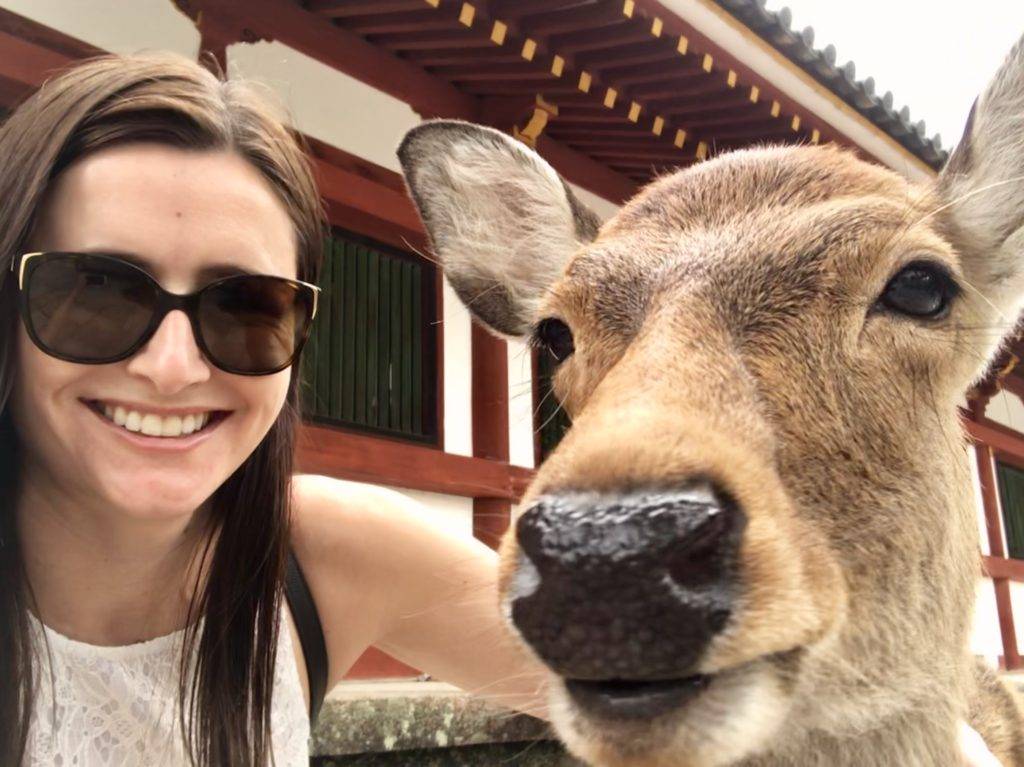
{"type": "Point", "coordinates": [626, 587]}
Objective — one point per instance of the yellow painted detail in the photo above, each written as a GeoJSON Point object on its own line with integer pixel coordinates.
{"type": "Point", "coordinates": [684, 45]}
{"type": "Point", "coordinates": [529, 48]}
{"type": "Point", "coordinates": [795, 123]}
{"type": "Point", "coordinates": [776, 108]}
{"type": "Point", "coordinates": [609, 98]}
{"type": "Point", "coordinates": [731, 79]}
{"type": "Point", "coordinates": [498, 32]}
{"type": "Point", "coordinates": [702, 151]}
{"type": "Point", "coordinates": [680, 139]}
{"type": "Point", "coordinates": [815, 136]}
{"type": "Point", "coordinates": [755, 94]}
{"type": "Point", "coordinates": [541, 112]}
{"type": "Point", "coordinates": [557, 65]}
{"type": "Point", "coordinates": [656, 27]}
{"type": "Point", "coordinates": [707, 62]}
{"type": "Point", "coordinates": [634, 112]}
{"type": "Point", "coordinates": [584, 84]}
{"type": "Point", "coordinates": [659, 126]}
{"type": "Point", "coordinates": [433, 3]}
{"type": "Point", "coordinates": [627, 8]}
{"type": "Point", "coordinates": [466, 15]}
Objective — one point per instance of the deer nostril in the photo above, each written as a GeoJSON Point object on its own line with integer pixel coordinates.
{"type": "Point", "coordinates": [697, 556]}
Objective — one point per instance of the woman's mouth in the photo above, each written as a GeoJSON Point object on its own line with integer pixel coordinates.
{"type": "Point", "coordinates": [156, 424]}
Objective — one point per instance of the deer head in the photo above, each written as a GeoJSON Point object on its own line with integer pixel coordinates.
{"type": "Point", "coordinates": [758, 536]}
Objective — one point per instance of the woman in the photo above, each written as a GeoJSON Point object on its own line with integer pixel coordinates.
{"type": "Point", "coordinates": [147, 506]}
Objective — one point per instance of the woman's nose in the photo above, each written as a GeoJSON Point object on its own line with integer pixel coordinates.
{"type": "Point", "coordinates": [171, 359]}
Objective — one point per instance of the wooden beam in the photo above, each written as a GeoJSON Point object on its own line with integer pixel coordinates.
{"type": "Point", "coordinates": [661, 52]}
{"type": "Point", "coordinates": [498, 73]}
{"type": "Point", "coordinates": [581, 170]}
{"type": "Point", "coordinates": [343, 9]}
{"type": "Point", "coordinates": [490, 395]}
{"type": "Point", "coordinates": [468, 56]}
{"type": "Point", "coordinates": [28, 64]}
{"type": "Point", "coordinates": [345, 191]}
{"type": "Point", "coordinates": [363, 458]}
{"type": "Point", "coordinates": [42, 36]}
{"type": "Point", "coordinates": [598, 39]}
{"type": "Point", "coordinates": [574, 166]}
{"type": "Point", "coordinates": [426, 20]}
{"type": "Point", "coordinates": [339, 48]}
{"type": "Point", "coordinates": [1001, 567]}
{"type": "Point", "coordinates": [675, 26]}
{"type": "Point", "coordinates": [994, 529]}
{"type": "Point", "coordinates": [431, 41]}
{"type": "Point", "coordinates": [1000, 438]}
{"type": "Point", "coordinates": [606, 17]}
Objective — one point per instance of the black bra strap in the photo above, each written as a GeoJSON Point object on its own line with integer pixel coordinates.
{"type": "Point", "coordinates": [311, 634]}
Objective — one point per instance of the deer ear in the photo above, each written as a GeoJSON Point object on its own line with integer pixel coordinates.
{"type": "Point", "coordinates": [982, 187]}
{"type": "Point", "coordinates": [501, 220]}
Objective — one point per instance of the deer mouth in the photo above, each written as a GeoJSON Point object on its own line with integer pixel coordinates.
{"type": "Point", "coordinates": [634, 699]}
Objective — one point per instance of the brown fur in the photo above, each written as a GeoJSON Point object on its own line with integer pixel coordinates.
{"type": "Point", "coordinates": [726, 327]}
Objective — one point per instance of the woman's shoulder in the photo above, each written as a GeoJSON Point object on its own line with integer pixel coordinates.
{"type": "Point", "coordinates": [325, 508]}
{"type": "Point", "coordinates": [333, 517]}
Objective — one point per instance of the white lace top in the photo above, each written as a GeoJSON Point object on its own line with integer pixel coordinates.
{"type": "Point", "coordinates": [118, 705]}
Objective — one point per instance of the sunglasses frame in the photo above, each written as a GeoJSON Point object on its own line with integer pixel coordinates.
{"type": "Point", "coordinates": [166, 302]}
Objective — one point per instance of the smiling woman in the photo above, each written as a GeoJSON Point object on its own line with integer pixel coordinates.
{"type": "Point", "coordinates": [160, 232]}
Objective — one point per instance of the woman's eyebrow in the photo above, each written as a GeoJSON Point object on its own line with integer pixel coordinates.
{"type": "Point", "coordinates": [206, 273]}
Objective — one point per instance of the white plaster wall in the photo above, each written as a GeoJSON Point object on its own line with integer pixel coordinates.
{"type": "Point", "coordinates": [118, 26]}
{"type": "Point", "coordinates": [458, 380]}
{"type": "Point", "coordinates": [352, 116]}
{"type": "Point", "coordinates": [602, 207]}
{"type": "Point", "coordinates": [986, 640]}
{"type": "Point", "coordinates": [326, 103]}
{"type": "Point", "coordinates": [1007, 409]}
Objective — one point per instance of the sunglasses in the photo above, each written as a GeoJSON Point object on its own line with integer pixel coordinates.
{"type": "Point", "coordinates": [95, 309]}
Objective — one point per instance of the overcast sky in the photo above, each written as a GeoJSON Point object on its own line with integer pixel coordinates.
{"type": "Point", "coordinates": [935, 56]}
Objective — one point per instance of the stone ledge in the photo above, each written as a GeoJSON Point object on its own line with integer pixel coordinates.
{"type": "Point", "coordinates": [361, 719]}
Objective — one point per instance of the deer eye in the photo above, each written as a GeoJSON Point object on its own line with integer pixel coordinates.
{"type": "Point", "coordinates": [554, 336]}
{"type": "Point", "coordinates": [920, 289]}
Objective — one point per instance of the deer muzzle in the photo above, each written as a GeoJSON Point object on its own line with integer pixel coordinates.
{"type": "Point", "coordinates": [621, 594]}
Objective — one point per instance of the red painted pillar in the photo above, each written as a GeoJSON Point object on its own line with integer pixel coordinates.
{"type": "Point", "coordinates": [490, 428]}
{"type": "Point", "coordinates": [993, 524]}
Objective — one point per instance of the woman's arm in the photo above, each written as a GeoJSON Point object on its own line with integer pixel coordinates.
{"type": "Point", "coordinates": [385, 572]}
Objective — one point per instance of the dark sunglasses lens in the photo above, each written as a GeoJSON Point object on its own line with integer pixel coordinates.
{"type": "Point", "coordinates": [254, 324]}
{"type": "Point", "coordinates": [88, 308]}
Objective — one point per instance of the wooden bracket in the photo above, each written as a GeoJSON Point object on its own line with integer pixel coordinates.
{"type": "Point", "coordinates": [542, 110]}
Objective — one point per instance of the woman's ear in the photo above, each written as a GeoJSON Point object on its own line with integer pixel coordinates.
{"type": "Point", "coordinates": [499, 217]}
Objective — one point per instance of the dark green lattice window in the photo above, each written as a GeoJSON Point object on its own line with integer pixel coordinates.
{"type": "Point", "coordinates": [370, 362]}
{"type": "Point", "coordinates": [551, 420]}
{"type": "Point", "coordinates": [1011, 499]}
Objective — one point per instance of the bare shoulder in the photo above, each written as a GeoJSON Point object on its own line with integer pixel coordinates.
{"type": "Point", "coordinates": [327, 511]}
{"type": "Point", "coordinates": [340, 533]}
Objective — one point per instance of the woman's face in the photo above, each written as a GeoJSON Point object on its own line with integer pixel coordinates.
{"type": "Point", "coordinates": [188, 217]}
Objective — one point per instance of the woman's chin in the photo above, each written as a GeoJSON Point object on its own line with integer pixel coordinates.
{"type": "Point", "coordinates": [158, 499]}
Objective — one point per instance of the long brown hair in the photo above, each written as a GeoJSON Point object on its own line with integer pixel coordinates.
{"type": "Point", "coordinates": [225, 698]}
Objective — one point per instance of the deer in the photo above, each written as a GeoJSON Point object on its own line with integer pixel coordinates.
{"type": "Point", "coordinates": [757, 543]}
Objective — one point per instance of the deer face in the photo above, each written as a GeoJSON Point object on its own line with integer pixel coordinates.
{"type": "Point", "coordinates": [759, 526]}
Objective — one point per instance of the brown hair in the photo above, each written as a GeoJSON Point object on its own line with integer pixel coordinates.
{"type": "Point", "coordinates": [167, 99]}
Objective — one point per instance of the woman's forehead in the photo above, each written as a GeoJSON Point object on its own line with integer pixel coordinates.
{"type": "Point", "coordinates": [181, 211]}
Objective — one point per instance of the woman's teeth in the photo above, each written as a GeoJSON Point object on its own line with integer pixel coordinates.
{"type": "Point", "coordinates": [153, 425]}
